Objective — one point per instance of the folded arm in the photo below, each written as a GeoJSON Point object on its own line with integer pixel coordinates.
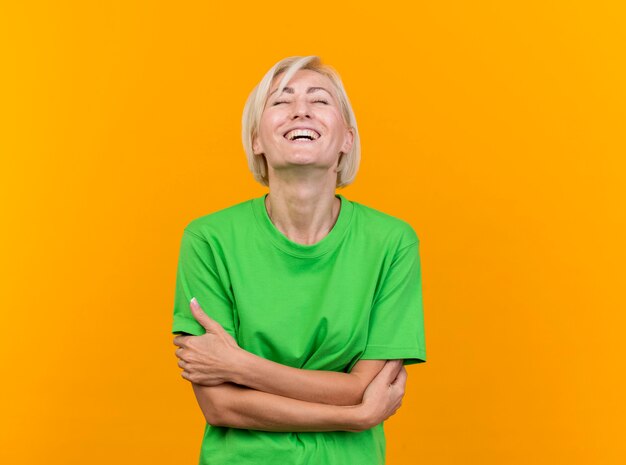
{"type": "Point", "coordinates": [235, 406]}
{"type": "Point", "coordinates": [215, 357]}
{"type": "Point", "coordinates": [320, 386]}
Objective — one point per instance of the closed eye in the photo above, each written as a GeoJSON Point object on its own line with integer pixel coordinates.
{"type": "Point", "coordinates": [283, 101]}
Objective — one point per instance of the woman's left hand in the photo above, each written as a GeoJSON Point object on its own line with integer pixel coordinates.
{"type": "Point", "coordinates": [208, 359]}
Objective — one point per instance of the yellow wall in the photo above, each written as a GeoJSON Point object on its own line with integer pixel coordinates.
{"type": "Point", "coordinates": [497, 129]}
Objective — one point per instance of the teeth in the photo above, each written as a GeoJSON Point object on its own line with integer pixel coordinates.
{"type": "Point", "coordinates": [291, 135]}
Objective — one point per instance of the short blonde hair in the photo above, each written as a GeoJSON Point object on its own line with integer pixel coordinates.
{"type": "Point", "coordinates": [253, 109]}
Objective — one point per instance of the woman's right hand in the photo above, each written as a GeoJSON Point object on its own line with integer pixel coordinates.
{"type": "Point", "coordinates": [383, 396]}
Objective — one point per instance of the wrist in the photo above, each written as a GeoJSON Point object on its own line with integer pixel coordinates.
{"type": "Point", "coordinates": [358, 417]}
{"type": "Point", "coordinates": [241, 366]}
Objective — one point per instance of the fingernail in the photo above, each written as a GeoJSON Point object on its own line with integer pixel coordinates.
{"type": "Point", "coordinates": [194, 302]}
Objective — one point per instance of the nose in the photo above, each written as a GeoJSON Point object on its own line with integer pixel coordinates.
{"type": "Point", "coordinates": [301, 108]}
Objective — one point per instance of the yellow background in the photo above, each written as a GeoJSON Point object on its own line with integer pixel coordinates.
{"type": "Point", "coordinates": [497, 129]}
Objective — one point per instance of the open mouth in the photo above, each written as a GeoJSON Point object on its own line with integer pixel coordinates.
{"type": "Point", "coordinates": [302, 135]}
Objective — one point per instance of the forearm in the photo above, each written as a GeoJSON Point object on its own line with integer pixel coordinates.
{"type": "Point", "coordinates": [319, 386]}
{"type": "Point", "coordinates": [236, 406]}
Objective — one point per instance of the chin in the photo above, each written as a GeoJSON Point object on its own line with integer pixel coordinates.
{"type": "Point", "coordinates": [302, 158]}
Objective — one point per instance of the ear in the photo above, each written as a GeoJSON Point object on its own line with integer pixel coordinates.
{"type": "Point", "coordinates": [256, 146]}
{"type": "Point", "coordinates": [348, 140]}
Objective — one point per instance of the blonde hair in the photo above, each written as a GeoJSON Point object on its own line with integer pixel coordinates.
{"type": "Point", "coordinates": [253, 109]}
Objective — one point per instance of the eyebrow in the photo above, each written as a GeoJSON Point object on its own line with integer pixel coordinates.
{"type": "Point", "coordinates": [310, 90]}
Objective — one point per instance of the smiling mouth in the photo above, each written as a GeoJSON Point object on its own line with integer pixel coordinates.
{"type": "Point", "coordinates": [302, 135]}
{"type": "Point", "coordinates": [300, 140]}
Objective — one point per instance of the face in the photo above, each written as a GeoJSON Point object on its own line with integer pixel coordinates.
{"type": "Point", "coordinates": [308, 103]}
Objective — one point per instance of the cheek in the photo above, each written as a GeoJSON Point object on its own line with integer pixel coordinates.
{"type": "Point", "coordinates": [337, 127]}
{"type": "Point", "coordinates": [334, 118]}
{"type": "Point", "coordinates": [265, 130]}
{"type": "Point", "coordinates": [271, 122]}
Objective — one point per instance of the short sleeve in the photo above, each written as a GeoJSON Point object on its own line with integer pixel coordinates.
{"type": "Point", "coordinates": [197, 276]}
{"type": "Point", "coordinates": [396, 329]}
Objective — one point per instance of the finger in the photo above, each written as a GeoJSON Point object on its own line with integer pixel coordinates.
{"type": "Point", "coordinates": [401, 378]}
{"type": "Point", "coordinates": [181, 363]}
{"type": "Point", "coordinates": [180, 341]}
{"type": "Point", "coordinates": [179, 352]}
{"type": "Point", "coordinates": [202, 318]}
{"type": "Point", "coordinates": [396, 367]}
{"type": "Point", "coordinates": [389, 371]}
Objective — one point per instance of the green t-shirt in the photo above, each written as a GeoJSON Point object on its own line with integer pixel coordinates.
{"type": "Point", "coordinates": [355, 294]}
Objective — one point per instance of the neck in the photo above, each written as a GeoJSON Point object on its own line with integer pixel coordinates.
{"type": "Point", "coordinates": [304, 214]}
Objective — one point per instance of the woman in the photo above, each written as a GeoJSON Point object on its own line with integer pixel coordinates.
{"type": "Point", "coordinates": [306, 306]}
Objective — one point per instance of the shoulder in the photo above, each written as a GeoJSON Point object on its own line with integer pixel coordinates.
{"type": "Point", "coordinates": [221, 222]}
{"type": "Point", "coordinates": [392, 230]}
